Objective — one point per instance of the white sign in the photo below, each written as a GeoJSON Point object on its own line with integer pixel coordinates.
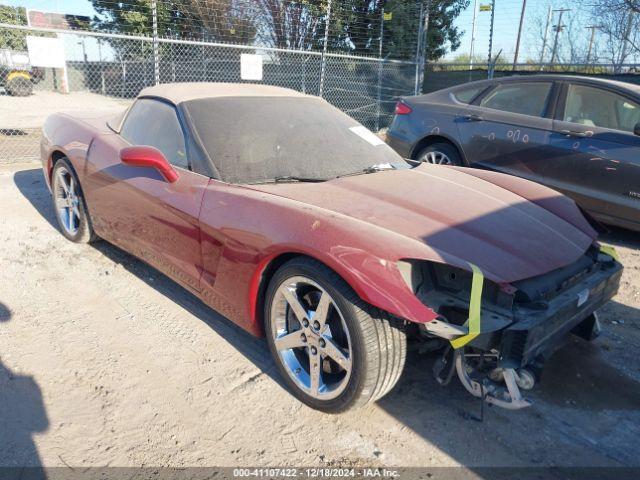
{"type": "Point", "coordinates": [46, 52]}
{"type": "Point", "coordinates": [250, 66]}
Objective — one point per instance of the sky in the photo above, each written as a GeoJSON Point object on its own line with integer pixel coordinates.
{"type": "Point", "coordinates": [507, 17]}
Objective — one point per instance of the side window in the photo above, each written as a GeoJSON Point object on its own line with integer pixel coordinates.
{"type": "Point", "coordinates": [466, 95]}
{"type": "Point", "coordinates": [523, 98]}
{"type": "Point", "coordinates": [155, 123]}
{"type": "Point", "coordinates": [594, 107]}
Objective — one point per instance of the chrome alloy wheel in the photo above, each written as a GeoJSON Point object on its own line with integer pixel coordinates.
{"type": "Point", "coordinates": [437, 158]}
{"type": "Point", "coordinates": [67, 201]}
{"type": "Point", "coordinates": [311, 338]}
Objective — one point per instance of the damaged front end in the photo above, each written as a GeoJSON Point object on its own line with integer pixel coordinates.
{"type": "Point", "coordinates": [496, 337]}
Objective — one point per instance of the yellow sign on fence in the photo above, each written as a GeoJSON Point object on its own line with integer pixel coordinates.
{"type": "Point", "coordinates": [388, 16]}
{"type": "Point", "coordinates": [485, 8]}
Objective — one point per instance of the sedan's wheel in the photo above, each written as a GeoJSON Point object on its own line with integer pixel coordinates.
{"type": "Point", "coordinates": [71, 210]}
{"type": "Point", "coordinates": [440, 154]}
{"type": "Point", "coordinates": [333, 350]}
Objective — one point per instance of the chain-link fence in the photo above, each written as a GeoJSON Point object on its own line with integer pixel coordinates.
{"type": "Point", "coordinates": [105, 71]}
{"type": "Point", "coordinates": [445, 75]}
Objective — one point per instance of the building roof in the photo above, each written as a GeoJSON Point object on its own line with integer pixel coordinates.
{"type": "Point", "coordinates": [182, 92]}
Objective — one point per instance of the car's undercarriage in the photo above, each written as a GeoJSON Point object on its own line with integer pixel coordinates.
{"type": "Point", "coordinates": [518, 325]}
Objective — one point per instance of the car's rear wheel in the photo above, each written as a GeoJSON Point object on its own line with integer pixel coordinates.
{"type": "Point", "coordinates": [440, 154]}
{"type": "Point", "coordinates": [69, 203]}
{"type": "Point", "coordinates": [334, 351]}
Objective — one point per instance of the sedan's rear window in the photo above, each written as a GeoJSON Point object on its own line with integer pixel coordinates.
{"type": "Point", "coordinates": [259, 139]}
{"type": "Point", "coordinates": [524, 98]}
{"type": "Point", "coordinates": [466, 95]}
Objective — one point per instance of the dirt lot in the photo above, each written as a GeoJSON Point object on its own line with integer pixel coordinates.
{"type": "Point", "coordinates": [104, 361]}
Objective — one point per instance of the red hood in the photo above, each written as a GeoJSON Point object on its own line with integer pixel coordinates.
{"type": "Point", "coordinates": [458, 215]}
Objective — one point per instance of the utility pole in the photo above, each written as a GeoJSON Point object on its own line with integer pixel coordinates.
{"type": "Point", "coordinates": [473, 34]}
{"type": "Point", "coordinates": [593, 29]}
{"type": "Point", "coordinates": [156, 53]}
{"type": "Point", "coordinates": [515, 55]}
{"type": "Point", "coordinates": [558, 28]}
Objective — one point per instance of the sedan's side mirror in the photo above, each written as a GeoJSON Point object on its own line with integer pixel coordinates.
{"type": "Point", "coordinates": [151, 157]}
{"type": "Point", "coordinates": [636, 129]}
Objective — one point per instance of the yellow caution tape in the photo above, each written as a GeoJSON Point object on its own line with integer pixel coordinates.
{"type": "Point", "coordinates": [609, 250]}
{"type": "Point", "coordinates": [474, 309]}
{"type": "Point", "coordinates": [18, 73]}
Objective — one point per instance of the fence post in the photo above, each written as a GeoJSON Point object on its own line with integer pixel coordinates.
{"type": "Point", "coordinates": [493, 16]}
{"type": "Point", "coordinates": [323, 65]}
{"type": "Point", "coordinates": [473, 36]}
{"type": "Point", "coordinates": [156, 53]}
{"type": "Point", "coordinates": [421, 50]}
{"type": "Point", "coordinates": [380, 61]}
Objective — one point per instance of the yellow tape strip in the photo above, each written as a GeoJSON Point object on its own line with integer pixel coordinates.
{"type": "Point", "coordinates": [474, 309]}
{"type": "Point", "coordinates": [17, 73]}
{"type": "Point", "coordinates": [609, 250]}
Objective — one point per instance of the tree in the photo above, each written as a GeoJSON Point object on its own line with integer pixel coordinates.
{"type": "Point", "coordinates": [13, 39]}
{"type": "Point", "coordinates": [619, 24]}
{"type": "Point", "coordinates": [442, 35]}
{"type": "Point", "coordinates": [291, 24]}
{"type": "Point", "coordinates": [211, 20]}
{"type": "Point", "coordinates": [356, 26]}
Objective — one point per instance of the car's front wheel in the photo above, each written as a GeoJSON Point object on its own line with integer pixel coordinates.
{"type": "Point", "coordinates": [69, 203]}
{"type": "Point", "coordinates": [334, 351]}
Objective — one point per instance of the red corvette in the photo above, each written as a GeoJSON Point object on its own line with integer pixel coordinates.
{"type": "Point", "coordinates": [296, 222]}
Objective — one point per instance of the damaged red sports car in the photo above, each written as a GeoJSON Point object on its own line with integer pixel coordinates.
{"type": "Point", "coordinates": [297, 223]}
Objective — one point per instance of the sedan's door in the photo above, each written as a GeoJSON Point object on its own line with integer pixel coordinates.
{"type": "Point", "coordinates": [507, 128]}
{"type": "Point", "coordinates": [136, 208]}
{"type": "Point", "coordinates": [596, 153]}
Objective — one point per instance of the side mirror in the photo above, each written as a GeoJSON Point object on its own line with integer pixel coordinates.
{"type": "Point", "coordinates": [151, 157]}
{"type": "Point", "coordinates": [636, 129]}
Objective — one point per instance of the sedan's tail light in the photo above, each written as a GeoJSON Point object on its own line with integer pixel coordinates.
{"type": "Point", "coordinates": [402, 108]}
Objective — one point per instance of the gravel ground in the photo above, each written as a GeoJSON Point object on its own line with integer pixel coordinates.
{"type": "Point", "coordinates": [106, 362]}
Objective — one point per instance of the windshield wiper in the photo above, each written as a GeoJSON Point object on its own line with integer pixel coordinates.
{"type": "Point", "coordinates": [293, 178]}
{"type": "Point", "coordinates": [380, 167]}
{"type": "Point", "coordinates": [289, 178]}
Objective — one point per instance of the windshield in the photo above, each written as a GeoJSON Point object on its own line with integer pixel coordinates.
{"type": "Point", "coordinates": [263, 139]}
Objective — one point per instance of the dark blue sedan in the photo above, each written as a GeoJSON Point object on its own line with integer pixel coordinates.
{"type": "Point", "coordinates": [580, 136]}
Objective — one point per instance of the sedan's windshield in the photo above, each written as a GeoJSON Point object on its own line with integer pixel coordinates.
{"type": "Point", "coordinates": [271, 139]}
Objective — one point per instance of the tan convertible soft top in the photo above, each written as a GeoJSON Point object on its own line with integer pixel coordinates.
{"type": "Point", "coordinates": [182, 92]}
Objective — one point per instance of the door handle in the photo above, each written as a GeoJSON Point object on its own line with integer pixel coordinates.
{"type": "Point", "coordinates": [472, 117]}
{"type": "Point", "coordinates": [572, 133]}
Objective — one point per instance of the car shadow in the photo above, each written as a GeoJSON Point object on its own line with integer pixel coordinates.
{"type": "Point", "coordinates": [31, 184]}
{"type": "Point", "coordinates": [22, 414]}
{"type": "Point", "coordinates": [447, 417]}
{"type": "Point", "coordinates": [620, 237]}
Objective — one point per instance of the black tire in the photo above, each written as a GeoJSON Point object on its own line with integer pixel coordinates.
{"type": "Point", "coordinates": [378, 340]}
{"type": "Point", "coordinates": [84, 233]}
{"type": "Point", "coordinates": [446, 149]}
{"type": "Point", "coordinates": [19, 87]}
